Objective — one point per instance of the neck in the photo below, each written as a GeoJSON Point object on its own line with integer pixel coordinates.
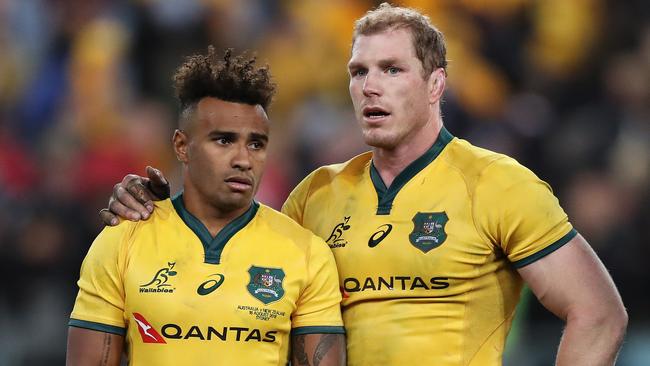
{"type": "Point", "coordinates": [389, 162]}
{"type": "Point", "coordinates": [213, 218]}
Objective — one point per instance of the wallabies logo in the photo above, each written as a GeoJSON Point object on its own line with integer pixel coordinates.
{"type": "Point", "coordinates": [336, 239]}
{"type": "Point", "coordinates": [159, 281]}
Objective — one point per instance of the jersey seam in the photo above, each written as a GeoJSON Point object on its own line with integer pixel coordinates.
{"type": "Point", "coordinates": [472, 194]}
{"type": "Point", "coordinates": [473, 203]}
{"type": "Point", "coordinates": [505, 319]}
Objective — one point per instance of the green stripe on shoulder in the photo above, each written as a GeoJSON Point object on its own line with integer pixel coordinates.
{"type": "Point", "coordinates": [97, 326]}
{"type": "Point", "coordinates": [546, 251]}
{"type": "Point", "coordinates": [318, 330]}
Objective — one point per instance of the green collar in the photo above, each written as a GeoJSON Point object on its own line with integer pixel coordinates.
{"type": "Point", "coordinates": [213, 246]}
{"type": "Point", "coordinates": [387, 195]}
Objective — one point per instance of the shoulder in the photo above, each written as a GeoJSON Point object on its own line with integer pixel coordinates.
{"type": "Point", "coordinates": [323, 181]}
{"type": "Point", "coordinates": [127, 230]}
{"type": "Point", "coordinates": [480, 166]}
{"type": "Point", "coordinates": [281, 224]}
{"type": "Point", "coordinates": [349, 169]}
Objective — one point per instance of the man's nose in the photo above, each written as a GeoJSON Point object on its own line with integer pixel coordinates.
{"type": "Point", "coordinates": [242, 158]}
{"type": "Point", "coordinates": [371, 86]}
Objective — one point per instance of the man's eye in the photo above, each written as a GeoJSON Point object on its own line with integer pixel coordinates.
{"type": "Point", "coordinates": [359, 72]}
{"type": "Point", "coordinates": [222, 140]}
{"type": "Point", "coordinates": [256, 145]}
{"type": "Point", "coordinates": [393, 70]}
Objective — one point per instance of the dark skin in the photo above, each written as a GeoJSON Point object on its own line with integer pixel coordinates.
{"type": "Point", "coordinates": [133, 197]}
{"type": "Point", "coordinates": [108, 348]}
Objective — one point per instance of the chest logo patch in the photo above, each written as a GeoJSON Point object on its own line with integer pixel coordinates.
{"type": "Point", "coordinates": [210, 285]}
{"type": "Point", "coordinates": [147, 331]}
{"type": "Point", "coordinates": [336, 239]}
{"type": "Point", "coordinates": [266, 283]}
{"type": "Point", "coordinates": [428, 230]}
{"type": "Point", "coordinates": [159, 281]}
{"type": "Point", "coordinates": [379, 235]}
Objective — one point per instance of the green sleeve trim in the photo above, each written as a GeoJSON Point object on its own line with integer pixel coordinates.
{"type": "Point", "coordinates": [546, 251]}
{"type": "Point", "coordinates": [318, 330]}
{"type": "Point", "coordinates": [97, 326]}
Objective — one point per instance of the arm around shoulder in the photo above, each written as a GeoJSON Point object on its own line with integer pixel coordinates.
{"type": "Point", "coordinates": [573, 283]}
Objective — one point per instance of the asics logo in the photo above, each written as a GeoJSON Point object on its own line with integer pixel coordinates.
{"type": "Point", "coordinates": [210, 285]}
{"type": "Point", "coordinates": [379, 235]}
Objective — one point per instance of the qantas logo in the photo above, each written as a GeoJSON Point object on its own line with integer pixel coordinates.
{"type": "Point", "coordinates": [204, 333]}
{"type": "Point", "coordinates": [147, 332]}
{"type": "Point", "coordinates": [379, 235]}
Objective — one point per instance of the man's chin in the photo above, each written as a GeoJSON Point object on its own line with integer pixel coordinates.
{"type": "Point", "coordinates": [376, 140]}
{"type": "Point", "coordinates": [235, 202]}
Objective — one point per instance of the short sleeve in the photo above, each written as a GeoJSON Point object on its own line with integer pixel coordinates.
{"type": "Point", "coordinates": [319, 306]}
{"type": "Point", "coordinates": [100, 301]}
{"type": "Point", "coordinates": [518, 212]}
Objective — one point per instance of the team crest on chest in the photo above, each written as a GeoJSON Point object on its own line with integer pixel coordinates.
{"type": "Point", "coordinates": [266, 283]}
{"type": "Point", "coordinates": [429, 230]}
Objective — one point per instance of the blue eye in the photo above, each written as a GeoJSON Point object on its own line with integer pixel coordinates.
{"type": "Point", "coordinates": [393, 70]}
{"type": "Point", "coordinates": [359, 72]}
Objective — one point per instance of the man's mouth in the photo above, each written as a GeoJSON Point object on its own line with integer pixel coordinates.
{"type": "Point", "coordinates": [239, 183]}
{"type": "Point", "coordinates": [375, 113]}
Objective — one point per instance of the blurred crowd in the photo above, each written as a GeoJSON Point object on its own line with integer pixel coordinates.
{"type": "Point", "coordinates": [86, 97]}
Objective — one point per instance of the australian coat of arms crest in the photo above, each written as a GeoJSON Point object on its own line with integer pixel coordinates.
{"type": "Point", "coordinates": [266, 284]}
{"type": "Point", "coordinates": [429, 230]}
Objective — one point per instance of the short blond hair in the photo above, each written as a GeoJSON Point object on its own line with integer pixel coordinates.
{"type": "Point", "coordinates": [428, 41]}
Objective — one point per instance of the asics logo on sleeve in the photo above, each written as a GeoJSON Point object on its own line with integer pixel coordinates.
{"type": "Point", "coordinates": [381, 233]}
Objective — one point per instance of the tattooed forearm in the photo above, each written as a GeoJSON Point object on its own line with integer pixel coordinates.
{"type": "Point", "coordinates": [299, 353]}
{"type": "Point", "coordinates": [323, 349]}
{"type": "Point", "coordinates": [324, 345]}
{"type": "Point", "coordinates": [106, 349]}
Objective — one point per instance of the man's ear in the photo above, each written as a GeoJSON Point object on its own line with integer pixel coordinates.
{"type": "Point", "coordinates": [181, 142]}
{"type": "Point", "coordinates": [437, 81]}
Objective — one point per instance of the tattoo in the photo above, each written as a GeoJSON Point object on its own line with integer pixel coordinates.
{"type": "Point", "coordinates": [324, 345]}
{"type": "Point", "coordinates": [299, 351]}
{"type": "Point", "coordinates": [106, 351]}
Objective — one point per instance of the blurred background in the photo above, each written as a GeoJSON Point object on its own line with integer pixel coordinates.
{"type": "Point", "coordinates": [86, 97]}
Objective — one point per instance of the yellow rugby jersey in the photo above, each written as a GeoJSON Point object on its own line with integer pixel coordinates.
{"type": "Point", "coordinates": [181, 297]}
{"type": "Point", "coordinates": [428, 265]}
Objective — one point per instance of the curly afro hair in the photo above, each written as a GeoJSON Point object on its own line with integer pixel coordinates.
{"type": "Point", "coordinates": [232, 79]}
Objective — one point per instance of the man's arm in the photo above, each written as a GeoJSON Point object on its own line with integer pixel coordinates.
{"type": "Point", "coordinates": [132, 197]}
{"type": "Point", "coordinates": [572, 283]}
{"type": "Point", "coordinates": [318, 349]}
{"type": "Point", "coordinates": [89, 347]}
